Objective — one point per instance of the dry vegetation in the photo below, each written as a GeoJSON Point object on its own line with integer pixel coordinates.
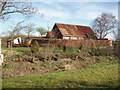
{"type": "Point", "coordinates": [20, 62]}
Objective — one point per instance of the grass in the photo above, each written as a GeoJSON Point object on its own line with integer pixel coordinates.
{"type": "Point", "coordinates": [101, 75]}
{"type": "Point", "coordinates": [17, 48]}
{"type": "Point", "coordinates": [7, 66]}
{"type": "Point", "coordinates": [103, 57]}
{"type": "Point", "coordinates": [69, 49]}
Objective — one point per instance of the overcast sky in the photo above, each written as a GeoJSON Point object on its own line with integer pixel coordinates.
{"type": "Point", "coordinates": [77, 13]}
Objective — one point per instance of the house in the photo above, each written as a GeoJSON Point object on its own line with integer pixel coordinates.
{"type": "Point", "coordinates": [67, 31]}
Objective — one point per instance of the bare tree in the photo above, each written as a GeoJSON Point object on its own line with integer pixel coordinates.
{"type": "Point", "coordinates": [48, 27]}
{"type": "Point", "coordinates": [8, 7]}
{"type": "Point", "coordinates": [20, 28]}
{"type": "Point", "coordinates": [16, 30]}
{"type": "Point", "coordinates": [115, 34]}
{"type": "Point", "coordinates": [104, 24]}
{"type": "Point", "coordinates": [29, 29]}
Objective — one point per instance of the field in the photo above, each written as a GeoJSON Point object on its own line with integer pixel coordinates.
{"type": "Point", "coordinates": [101, 75]}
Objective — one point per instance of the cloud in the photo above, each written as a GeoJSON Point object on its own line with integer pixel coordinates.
{"type": "Point", "coordinates": [91, 11]}
{"type": "Point", "coordinates": [87, 15]}
{"type": "Point", "coordinates": [15, 19]}
{"type": "Point", "coordinates": [53, 9]}
{"type": "Point", "coordinates": [48, 2]}
{"type": "Point", "coordinates": [79, 10]}
{"type": "Point", "coordinates": [54, 13]}
{"type": "Point", "coordinates": [66, 0]}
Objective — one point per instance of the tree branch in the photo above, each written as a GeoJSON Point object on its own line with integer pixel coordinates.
{"type": "Point", "coordinates": [3, 6]}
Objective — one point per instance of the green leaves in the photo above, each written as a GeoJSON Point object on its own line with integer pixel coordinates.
{"type": "Point", "coordinates": [41, 30]}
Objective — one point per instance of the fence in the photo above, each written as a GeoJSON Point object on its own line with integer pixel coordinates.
{"type": "Point", "coordinates": [70, 43]}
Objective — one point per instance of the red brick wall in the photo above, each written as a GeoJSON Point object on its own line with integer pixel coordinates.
{"type": "Point", "coordinates": [71, 43]}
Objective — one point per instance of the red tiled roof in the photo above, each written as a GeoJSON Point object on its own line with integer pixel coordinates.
{"type": "Point", "coordinates": [75, 30]}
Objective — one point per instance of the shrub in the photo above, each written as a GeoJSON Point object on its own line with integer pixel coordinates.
{"type": "Point", "coordinates": [80, 48]}
{"type": "Point", "coordinates": [48, 55]}
{"type": "Point", "coordinates": [64, 49]}
{"type": "Point", "coordinates": [71, 55]}
{"type": "Point", "coordinates": [84, 50]}
{"type": "Point", "coordinates": [106, 51]}
{"type": "Point", "coordinates": [95, 51]}
{"type": "Point", "coordinates": [7, 66]}
{"type": "Point", "coordinates": [34, 48]}
{"type": "Point", "coordinates": [117, 48]}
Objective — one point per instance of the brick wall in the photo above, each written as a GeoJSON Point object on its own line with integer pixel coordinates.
{"type": "Point", "coordinates": [71, 43]}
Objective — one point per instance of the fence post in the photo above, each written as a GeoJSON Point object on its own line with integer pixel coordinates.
{"type": "Point", "coordinates": [1, 55]}
{"type": "Point", "coordinates": [1, 60]}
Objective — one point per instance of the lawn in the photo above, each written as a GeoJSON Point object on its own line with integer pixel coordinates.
{"type": "Point", "coordinates": [17, 48]}
{"type": "Point", "coordinates": [101, 75]}
{"type": "Point", "coordinates": [69, 49]}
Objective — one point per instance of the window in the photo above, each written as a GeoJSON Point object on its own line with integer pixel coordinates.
{"type": "Point", "coordinates": [66, 37]}
{"type": "Point", "coordinates": [75, 37]}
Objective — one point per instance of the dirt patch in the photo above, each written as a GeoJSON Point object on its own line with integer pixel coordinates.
{"type": "Point", "coordinates": [68, 66]}
{"type": "Point", "coordinates": [23, 68]}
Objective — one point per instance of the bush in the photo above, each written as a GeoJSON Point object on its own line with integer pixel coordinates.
{"type": "Point", "coordinates": [71, 55]}
{"type": "Point", "coordinates": [48, 55]}
{"type": "Point", "coordinates": [106, 51]}
{"type": "Point", "coordinates": [117, 48]}
{"type": "Point", "coordinates": [95, 51]}
{"type": "Point", "coordinates": [64, 49]}
{"type": "Point", "coordinates": [34, 48]}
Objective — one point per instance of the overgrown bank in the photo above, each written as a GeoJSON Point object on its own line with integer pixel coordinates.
{"type": "Point", "coordinates": [101, 75]}
{"type": "Point", "coordinates": [19, 61]}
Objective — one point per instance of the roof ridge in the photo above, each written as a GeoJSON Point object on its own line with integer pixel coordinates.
{"type": "Point", "coordinates": [72, 24]}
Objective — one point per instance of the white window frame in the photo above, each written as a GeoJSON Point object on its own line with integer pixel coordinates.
{"type": "Point", "coordinates": [66, 37]}
{"type": "Point", "coordinates": [75, 38]}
